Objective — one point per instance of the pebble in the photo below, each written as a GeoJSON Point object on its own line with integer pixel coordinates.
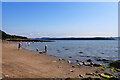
{"type": "Point", "coordinates": [71, 70]}
{"type": "Point", "coordinates": [60, 59]}
{"type": "Point", "coordinates": [6, 76]}
{"type": "Point", "coordinates": [59, 66]}
{"type": "Point", "coordinates": [54, 61]}
{"type": "Point", "coordinates": [73, 66]}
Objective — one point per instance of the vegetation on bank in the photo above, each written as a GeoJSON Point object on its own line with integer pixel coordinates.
{"type": "Point", "coordinates": [4, 36]}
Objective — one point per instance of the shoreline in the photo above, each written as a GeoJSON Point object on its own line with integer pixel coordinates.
{"type": "Point", "coordinates": [29, 64]}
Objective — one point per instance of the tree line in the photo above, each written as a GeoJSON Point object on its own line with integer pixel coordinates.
{"type": "Point", "coordinates": [4, 36]}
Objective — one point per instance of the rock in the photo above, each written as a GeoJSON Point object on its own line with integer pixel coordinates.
{"type": "Point", "coordinates": [81, 75]}
{"type": "Point", "coordinates": [37, 49]}
{"type": "Point", "coordinates": [91, 63]}
{"type": "Point", "coordinates": [70, 56]}
{"type": "Point", "coordinates": [58, 51]}
{"type": "Point", "coordinates": [59, 66]}
{"type": "Point", "coordinates": [108, 74]}
{"type": "Point", "coordinates": [63, 59]}
{"type": "Point", "coordinates": [115, 64]}
{"type": "Point", "coordinates": [77, 60]}
{"type": "Point", "coordinates": [98, 65]}
{"type": "Point", "coordinates": [105, 76]}
{"type": "Point", "coordinates": [89, 60]}
{"type": "Point", "coordinates": [73, 66]}
{"type": "Point", "coordinates": [89, 73]}
{"type": "Point", "coordinates": [69, 61]}
{"type": "Point", "coordinates": [101, 60]}
{"type": "Point", "coordinates": [54, 61]}
{"type": "Point", "coordinates": [83, 62]}
{"type": "Point", "coordinates": [66, 49]}
{"type": "Point", "coordinates": [77, 64]}
{"type": "Point", "coordinates": [6, 76]}
{"type": "Point", "coordinates": [80, 52]}
{"type": "Point", "coordinates": [80, 64]}
{"type": "Point", "coordinates": [71, 70]}
{"type": "Point", "coordinates": [87, 64]}
{"type": "Point", "coordinates": [60, 59]}
{"type": "Point", "coordinates": [97, 71]}
{"type": "Point", "coordinates": [87, 56]}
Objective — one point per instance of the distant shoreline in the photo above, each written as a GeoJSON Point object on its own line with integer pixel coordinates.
{"type": "Point", "coordinates": [95, 38]}
{"type": "Point", "coordinates": [30, 40]}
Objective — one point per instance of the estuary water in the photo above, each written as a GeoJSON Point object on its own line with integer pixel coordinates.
{"type": "Point", "coordinates": [79, 49]}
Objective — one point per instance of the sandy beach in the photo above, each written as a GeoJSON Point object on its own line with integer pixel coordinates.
{"type": "Point", "coordinates": [27, 64]}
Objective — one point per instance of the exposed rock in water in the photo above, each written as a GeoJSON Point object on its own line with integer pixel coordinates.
{"type": "Point", "coordinates": [37, 49]}
{"type": "Point", "coordinates": [58, 51]}
{"type": "Point", "coordinates": [87, 56]}
{"type": "Point", "coordinates": [115, 64]}
{"type": "Point", "coordinates": [97, 65]}
{"type": "Point", "coordinates": [81, 52]}
{"type": "Point", "coordinates": [77, 60]}
{"type": "Point", "coordinates": [89, 60]}
{"type": "Point", "coordinates": [102, 60]}
{"type": "Point", "coordinates": [70, 56]}
{"type": "Point", "coordinates": [102, 53]}
{"type": "Point", "coordinates": [66, 49]}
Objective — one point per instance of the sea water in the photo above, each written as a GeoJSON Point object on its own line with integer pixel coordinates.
{"type": "Point", "coordinates": [79, 49]}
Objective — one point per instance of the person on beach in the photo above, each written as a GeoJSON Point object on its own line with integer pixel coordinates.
{"type": "Point", "coordinates": [45, 48]}
{"type": "Point", "coordinates": [28, 43]}
{"type": "Point", "coordinates": [25, 44]}
{"type": "Point", "coordinates": [19, 45]}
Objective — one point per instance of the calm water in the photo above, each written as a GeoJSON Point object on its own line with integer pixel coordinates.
{"type": "Point", "coordinates": [92, 49]}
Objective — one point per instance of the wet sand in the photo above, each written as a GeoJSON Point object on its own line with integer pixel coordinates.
{"type": "Point", "coordinates": [27, 64]}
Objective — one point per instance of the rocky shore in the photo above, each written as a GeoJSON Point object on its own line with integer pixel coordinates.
{"type": "Point", "coordinates": [26, 64]}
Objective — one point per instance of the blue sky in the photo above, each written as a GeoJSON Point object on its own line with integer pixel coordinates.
{"type": "Point", "coordinates": [60, 19]}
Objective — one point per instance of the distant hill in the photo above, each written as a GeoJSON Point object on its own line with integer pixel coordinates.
{"type": "Point", "coordinates": [94, 38]}
{"type": "Point", "coordinates": [8, 36]}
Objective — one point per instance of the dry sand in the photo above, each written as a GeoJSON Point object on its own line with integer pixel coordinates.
{"type": "Point", "coordinates": [27, 64]}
